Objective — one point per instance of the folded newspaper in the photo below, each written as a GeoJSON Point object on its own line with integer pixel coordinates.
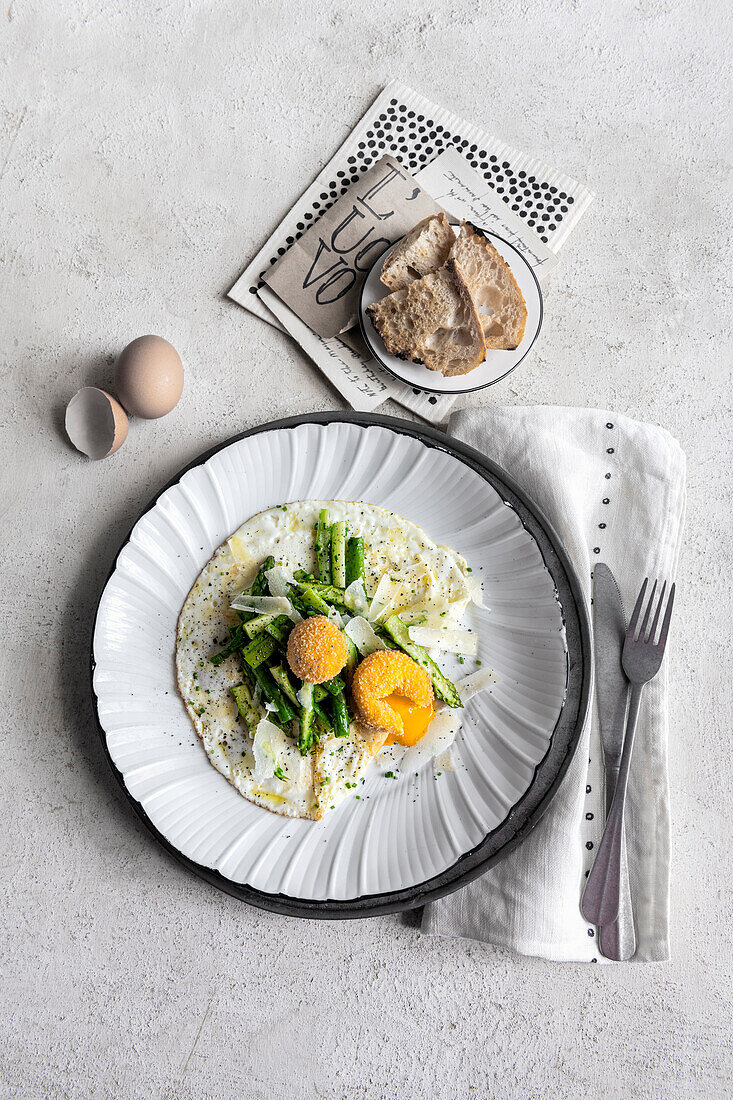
{"type": "Point", "coordinates": [320, 275]}
{"type": "Point", "coordinates": [406, 159]}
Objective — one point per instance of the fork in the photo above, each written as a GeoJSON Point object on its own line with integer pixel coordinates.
{"type": "Point", "coordinates": [641, 659]}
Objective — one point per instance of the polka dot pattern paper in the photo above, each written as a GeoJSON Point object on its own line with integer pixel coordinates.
{"type": "Point", "coordinates": [415, 131]}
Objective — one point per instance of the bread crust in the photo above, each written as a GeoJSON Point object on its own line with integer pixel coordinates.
{"type": "Point", "coordinates": [417, 323]}
{"type": "Point", "coordinates": [422, 251]}
{"type": "Point", "coordinates": [470, 305]}
{"type": "Point", "coordinates": [504, 328]}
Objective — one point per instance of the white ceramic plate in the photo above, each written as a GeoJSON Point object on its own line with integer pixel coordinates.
{"type": "Point", "coordinates": [495, 366]}
{"type": "Point", "coordinates": [405, 839]}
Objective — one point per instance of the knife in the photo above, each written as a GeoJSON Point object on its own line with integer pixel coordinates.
{"type": "Point", "coordinates": [617, 940]}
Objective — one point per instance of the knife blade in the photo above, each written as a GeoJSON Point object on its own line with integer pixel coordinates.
{"type": "Point", "coordinates": [617, 940]}
{"type": "Point", "coordinates": [612, 687]}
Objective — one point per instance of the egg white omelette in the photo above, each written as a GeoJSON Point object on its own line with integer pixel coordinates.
{"type": "Point", "coordinates": [402, 567]}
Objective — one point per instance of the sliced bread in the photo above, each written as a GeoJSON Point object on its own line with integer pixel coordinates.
{"type": "Point", "coordinates": [424, 249]}
{"type": "Point", "coordinates": [432, 321]}
{"type": "Point", "coordinates": [494, 289]}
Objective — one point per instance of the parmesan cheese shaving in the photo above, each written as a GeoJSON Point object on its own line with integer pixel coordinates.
{"type": "Point", "coordinates": [382, 601]}
{"type": "Point", "coordinates": [475, 589]}
{"type": "Point", "coordinates": [240, 550]}
{"type": "Point", "coordinates": [355, 597]}
{"type": "Point", "coordinates": [406, 587]}
{"type": "Point", "coordinates": [304, 697]}
{"type": "Point", "coordinates": [266, 605]}
{"type": "Point", "coordinates": [439, 736]}
{"type": "Point", "coordinates": [453, 640]}
{"type": "Point", "coordinates": [443, 730]}
{"type": "Point", "coordinates": [273, 750]}
{"type": "Point", "coordinates": [477, 681]}
{"type": "Point", "coordinates": [335, 618]}
{"type": "Point", "coordinates": [363, 636]}
{"type": "Point", "coordinates": [279, 580]}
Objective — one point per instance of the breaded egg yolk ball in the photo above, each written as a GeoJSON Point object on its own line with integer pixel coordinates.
{"type": "Point", "coordinates": [317, 650]}
{"type": "Point", "coordinates": [393, 696]}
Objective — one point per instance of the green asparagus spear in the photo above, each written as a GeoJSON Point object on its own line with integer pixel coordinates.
{"type": "Point", "coordinates": [258, 587]}
{"type": "Point", "coordinates": [353, 659]}
{"type": "Point", "coordinates": [246, 706]}
{"type": "Point", "coordinates": [311, 599]}
{"type": "Point", "coordinates": [323, 722]}
{"type": "Point", "coordinates": [279, 628]}
{"type": "Point", "coordinates": [340, 715]}
{"type": "Point", "coordinates": [305, 724]}
{"type": "Point", "coordinates": [236, 640]}
{"type": "Point", "coordinates": [337, 597]}
{"type": "Point", "coordinates": [330, 593]}
{"type": "Point", "coordinates": [354, 559]}
{"type": "Point", "coordinates": [319, 693]}
{"type": "Point", "coordinates": [283, 681]}
{"type": "Point", "coordinates": [257, 624]}
{"type": "Point", "coordinates": [303, 575]}
{"type": "Point", "coordinates": [300, 606]}
{"type": "Point", "coordinates": [272, 693]}
{"type": "Point", "coordinates": [338, 553]}
{"type": "Point", "coordinates": [259, 649]}
{"type": "Point", "coordinates": [444, 689]}
{"type": "Point", "coordinates": [319, 599]}
{"type": "Point", "coordinates": [333, 687]}
{"type": "Point", "coordinates": [323, 546]}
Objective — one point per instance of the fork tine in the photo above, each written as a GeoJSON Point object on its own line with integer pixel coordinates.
{"type": "Point", "coordinates": [631, 631]}
{"type": "Point", "coordinates": [665, 622]}
{"type": "Point", "coordinates": [649, 606]}
{"type": "Point", "coordinates": [655, 620]}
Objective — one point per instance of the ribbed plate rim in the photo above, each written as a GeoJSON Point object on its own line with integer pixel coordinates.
{"type": "Point", "coordinates": [563, 742]}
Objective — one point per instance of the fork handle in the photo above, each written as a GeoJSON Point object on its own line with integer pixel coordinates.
{"type": "Point", "coordinates": [600, 902]}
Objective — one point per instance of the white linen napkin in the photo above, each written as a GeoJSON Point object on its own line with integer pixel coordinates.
{"type": "Point", "coordinates": [614, 490]}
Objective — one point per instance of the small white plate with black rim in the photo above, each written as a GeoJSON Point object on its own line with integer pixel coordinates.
{"type": "Point", "coordinates": [405, 841]}
{"type": "Point", "coordinates": [496, 365]}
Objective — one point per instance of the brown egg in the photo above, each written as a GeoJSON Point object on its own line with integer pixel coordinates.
{"type": "Point", "coordinates": [149, 377]}
{"type": "Point", "coordinates": [95, 423]}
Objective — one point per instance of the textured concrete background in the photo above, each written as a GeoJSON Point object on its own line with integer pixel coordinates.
{"type": "Point", "coordinates": [145, 151]}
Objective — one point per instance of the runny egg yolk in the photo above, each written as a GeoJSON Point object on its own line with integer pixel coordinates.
{"type": "Point", "coordinates": [415, 720]}
{"type": "Point", "coordinates": [393, 696]}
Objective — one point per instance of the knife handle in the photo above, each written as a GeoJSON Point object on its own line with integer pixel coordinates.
{"type": "Point", "coordinates": [600, 902]}
{"type": "Point", "coordinates": [611, 784]}
{"type": "Point", "coordinates": [617, 941]}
